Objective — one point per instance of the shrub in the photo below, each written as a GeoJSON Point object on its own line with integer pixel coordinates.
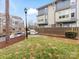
{"type": "Point", "coordinates": [70, 34]}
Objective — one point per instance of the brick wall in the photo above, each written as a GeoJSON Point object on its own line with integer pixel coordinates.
{"type": "Point", "coordinates": [4, 44]}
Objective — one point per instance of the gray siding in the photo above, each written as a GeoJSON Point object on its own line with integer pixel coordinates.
{"type": "Point", "coordinates": [43, 11]}
{"type": "Point", "coordinates": [62, 5]}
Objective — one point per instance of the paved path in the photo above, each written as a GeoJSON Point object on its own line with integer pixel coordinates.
{"type": "Point", "coordinates": [34, 35]}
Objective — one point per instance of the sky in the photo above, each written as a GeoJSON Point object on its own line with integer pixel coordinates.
{"type": "Point", "coordinates": [17, 8]}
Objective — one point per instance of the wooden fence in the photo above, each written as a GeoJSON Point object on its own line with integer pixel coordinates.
{"type": "Point", "coordinates": [57, 30]}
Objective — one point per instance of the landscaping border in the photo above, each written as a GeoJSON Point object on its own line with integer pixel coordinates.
{"type": "Point", "coordinates": [11, 41]}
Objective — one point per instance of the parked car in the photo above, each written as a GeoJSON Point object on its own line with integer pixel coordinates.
{"type": "Point", "coordinates": [18, 34]}
{"type": "Point", "coordinates": [12, 36]}
{"type": "Point", "coordinates": [33, 32]}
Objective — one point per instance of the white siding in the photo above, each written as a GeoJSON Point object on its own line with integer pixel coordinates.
{"type": "Point", "coordinates": [77, 13]}
{"type": "Point", "coordinates": [61, 13]}
{"type": "Point", "coordinates": [41, 19]}
{"type": "Point", "coordinates": [51, 17]}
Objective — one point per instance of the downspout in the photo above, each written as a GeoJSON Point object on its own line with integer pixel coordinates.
{"type": "Point", "coordinates": [54, 14]}
{"type": "Point", "coordinates": [76, 13]}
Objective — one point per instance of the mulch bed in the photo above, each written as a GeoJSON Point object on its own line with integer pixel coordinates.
{"type": "Point", "coordinates": [11, 41]}
{"type": "Point", "coordinates": [61, 36]}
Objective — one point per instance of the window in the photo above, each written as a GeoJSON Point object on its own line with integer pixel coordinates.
{"type": "Point", "coordinates": [62, 5]}
{"type": "Point", "coordinates": [4, 30]}
{"type": "Point", "coordinates": [16, 22]}
{"type": "Point", "coordinates": [19, 28]}
{"type": "Point", "coordinates": [73, 2]}
{"type": "Point", "coordinates": [63, 16]}
{"type": "Point", "coordinates": [40, 20]}
{"type": "Point", "coordinates": [72, 14]}
{"type": "Point", "coordinates": [59, 17]}
{"type": "Point", "coordinates": [46, 21]}
{"type": "Point", "coordinates": [67, 16]}
{"type": "Point", "coordinates": [46, 11]}
{"type": "Point", "coordinates": [64, 0]}
{"type": "Point", "coordinates": [61, 25]}
{"type": "Point", "coordinates": [13, 29]}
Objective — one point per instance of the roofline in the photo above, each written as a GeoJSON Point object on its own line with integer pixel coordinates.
{"type": "Point", "coordinates": [56, 1]}
{"type": "Point", "coordinates": [46, 5]}
{"type": "Point", "coordinates": [3, 14]}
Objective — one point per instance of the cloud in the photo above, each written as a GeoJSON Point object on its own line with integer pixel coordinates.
{"type": "Point", "coordinates": [31, 15]}
{"type": "Point", "coordinates": [32, 11]}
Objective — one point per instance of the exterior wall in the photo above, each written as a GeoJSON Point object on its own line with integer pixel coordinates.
{"type": "Point", "coordinates": [62, 8]}
{"type": "Point", "coordinates": [77, 9]}
{"type": "Point", "coordinates": [61, 13]}
{"type": "Point", "coordinates": [51, 15]}
{"type": "Point", "coordinates": [77, 13]}
{"type": "Point", "coordinates": [16, 24]}
{"type": "Point", "coordinates": [66, 13]}
{"type": "Point", "coordinates": [42, 11]}
{"type": "Point", "coordinates": [2, 24]}
{"type": "Point", "coordinates": [1, 27]}
{"type": "Point", "coordinates": [62, 5]}
{"type": "Point", "coordinates": [41, 19]}
{"type": "Point", "coordinates": [46, 16]}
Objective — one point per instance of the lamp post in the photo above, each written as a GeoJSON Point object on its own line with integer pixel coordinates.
{"type": "Point", "coordinates": [25, 10]}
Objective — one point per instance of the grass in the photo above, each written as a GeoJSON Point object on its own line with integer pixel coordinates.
{"type": "Point", "coordinates": [41, 47]}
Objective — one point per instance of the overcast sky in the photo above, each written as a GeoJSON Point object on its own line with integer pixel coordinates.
{"type": "Point", "coordinates": [17, 7]}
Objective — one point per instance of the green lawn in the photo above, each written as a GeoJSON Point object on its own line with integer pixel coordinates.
{"type": "Point", "coordinates": [41, 47]}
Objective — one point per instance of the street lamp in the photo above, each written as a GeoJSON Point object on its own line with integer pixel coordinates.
{"type": "Point", "coordinates": [25, 10]}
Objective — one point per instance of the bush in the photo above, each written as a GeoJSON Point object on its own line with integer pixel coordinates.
{"type": "Point", "coordinates": [70, 34]}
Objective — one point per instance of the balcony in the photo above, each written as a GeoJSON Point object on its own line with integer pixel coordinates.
{"type": "Point", "coordinates": [63, 4]}
{"type": "Point", "coordinates": [43, 11]}
{"type": "Point", "coordinates": [42, 21]}
{"type": "Point", "coordinates": [72, 19]}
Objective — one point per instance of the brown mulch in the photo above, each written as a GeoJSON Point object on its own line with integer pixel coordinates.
{"type": "Point", "coordinates": [63, 38]}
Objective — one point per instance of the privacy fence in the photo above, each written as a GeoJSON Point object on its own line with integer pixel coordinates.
{"type": "Point", "coordinates": [60, 31]}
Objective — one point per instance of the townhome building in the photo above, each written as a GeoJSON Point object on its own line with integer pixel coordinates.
{"type": "Point", "coordinates": [63, 13]}
{"type": "Point", "coordinates": [66, 13]}
{"type": "Point", "coordinates": [46, 15]}
{"type": "Point", "coordinates": [16, 24]}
